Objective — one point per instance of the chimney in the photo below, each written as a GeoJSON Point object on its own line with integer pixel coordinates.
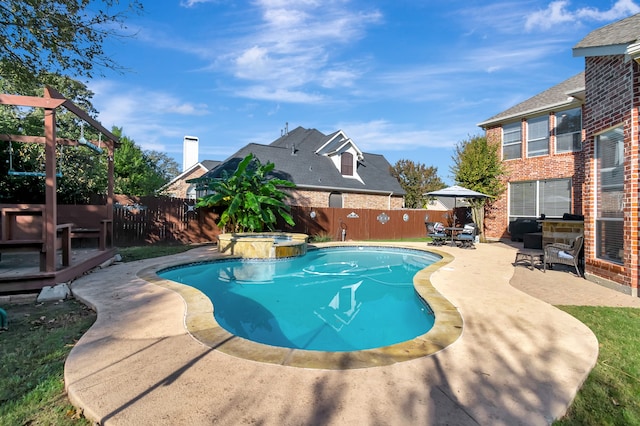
{"type": "Point", "coordinates": [189, 152]}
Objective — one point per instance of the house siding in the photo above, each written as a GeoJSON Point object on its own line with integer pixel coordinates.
{"type": "Point", "coordinates": [613, 97]}
{"type": "Point", "coordinates": [307, 198]}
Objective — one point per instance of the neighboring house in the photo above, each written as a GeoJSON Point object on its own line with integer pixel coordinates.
{"type": "Point", "coordinates": [575, 147]}
{"type": "Point", "coordinates": [328, 170]}
{"type": "Point", "coordinates": [178, 187]}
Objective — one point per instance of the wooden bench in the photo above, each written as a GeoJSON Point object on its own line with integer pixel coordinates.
{"type": "Point", "coordinates": [63, 242]}
{"type": "Point", "coordinates": [101, 233]}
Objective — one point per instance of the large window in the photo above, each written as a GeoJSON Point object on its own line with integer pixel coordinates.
{"type": "Point", "coordinates": [538, 136]}
{"type": "Point", "coordinates": [533, 198]}
{"type": "Point", "coordinates": [511, 141]}
{"type": "Point", "coordinates": [569, 130]}
{"type": "Point", "coordinates": [610, 195]}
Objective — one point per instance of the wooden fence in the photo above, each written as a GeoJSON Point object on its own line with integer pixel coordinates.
{"type": "Point", "coordinates": [145, 220]}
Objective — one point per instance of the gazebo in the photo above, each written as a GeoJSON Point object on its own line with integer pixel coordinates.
{"type": "Point", "coordinates": [56, 231]}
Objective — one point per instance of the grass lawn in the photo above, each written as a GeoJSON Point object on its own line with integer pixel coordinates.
{"type": "Point", "coordinates": [32, 355]}
{"type": "Point", "coordinates": [40, 336]}
{"type": "Point", "coordinates": [611, 393]}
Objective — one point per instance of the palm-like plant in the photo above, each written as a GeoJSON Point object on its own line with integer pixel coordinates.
{"type": "Point", "coordinates": [251, 197]}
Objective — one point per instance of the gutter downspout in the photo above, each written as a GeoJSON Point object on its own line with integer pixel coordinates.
{"type": "Point", "coordinates": [389, 202]}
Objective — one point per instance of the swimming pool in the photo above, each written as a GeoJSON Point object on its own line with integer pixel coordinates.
{"type": "Point", "coordinates": [335, 299]}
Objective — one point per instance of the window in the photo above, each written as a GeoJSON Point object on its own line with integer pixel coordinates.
{"type": "Point", "coordinates": [346, 164]}
{"type": "Point", "coordinates": [569, 130]}
{"type": "Point", "coordinates": [532, 198]}
{"type": "Point", "coordinates": [610, 195]}
{"type": "Point", "coordinates": [335, 199]}
{"type": "Point", "coordinates": [538, 136]}
{"type": "Point", "coordinates": [511, 141]}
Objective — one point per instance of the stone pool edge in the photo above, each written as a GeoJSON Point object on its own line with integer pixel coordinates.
{"type": "Point", "coordinates": [200, 323]}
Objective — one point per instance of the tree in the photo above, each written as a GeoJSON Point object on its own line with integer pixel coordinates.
{"type": "Point", "coordinates": [83, 172]}
{"type": "Point", "coordinates": [135, 172]}
{"type": "Point", "coordinates": [251, 197]}
{"type": "Point", "coordinates": [416, 179]}
{"type": "Point", "coordinates": [41, 36]}
{"type": "Point", "coordinates": [477, 166]}
{"type": "Point", "coordinates": [164, 165]}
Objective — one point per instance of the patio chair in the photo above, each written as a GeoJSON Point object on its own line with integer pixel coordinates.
{"type": "Point", "coordinates": [435, 231]}
{"type": "Point", "coordinates": [564, 254]}
{"type": "Point", "coordinates": [467, 237]}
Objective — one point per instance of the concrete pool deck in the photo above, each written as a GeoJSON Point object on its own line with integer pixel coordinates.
{"type": "Point", "coordinates": [519, 360]}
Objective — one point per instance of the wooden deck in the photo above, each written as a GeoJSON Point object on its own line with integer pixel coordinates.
{"type": "Point", "coordinates": [20, 272]}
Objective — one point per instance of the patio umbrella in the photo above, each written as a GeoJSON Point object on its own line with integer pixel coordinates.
{"type": "Point", "coordinates": [457, 191]}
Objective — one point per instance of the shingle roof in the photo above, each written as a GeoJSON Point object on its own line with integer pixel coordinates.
{"type": "Point", "coordinates": [558, 96]}
{"type": "Point", "coordinates": [210, 164]}
{"type": "Point", "coordinates": [623, 32]}
{"type": "Point", "coordinates": [295, 160]}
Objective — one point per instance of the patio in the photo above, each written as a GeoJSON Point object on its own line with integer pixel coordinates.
{"type": "Point", "coordinates": [519, 360]}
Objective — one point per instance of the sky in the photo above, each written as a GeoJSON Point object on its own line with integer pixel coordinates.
{"type": "Point", "coordinates": [407, 79]}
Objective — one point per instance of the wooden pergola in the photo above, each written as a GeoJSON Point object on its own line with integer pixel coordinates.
{"type": "Point", "coordinates": [51, 101]}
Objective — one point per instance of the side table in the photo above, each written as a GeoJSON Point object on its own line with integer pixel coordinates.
{"type": "Point", "coordinates": [530, 255]}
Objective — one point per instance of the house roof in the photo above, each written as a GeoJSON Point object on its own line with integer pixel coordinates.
{"type": "Point", "coordinates": [296, 158]}
{"type": "Point", "coordinates": [613, 38]}
{"type": "Point", "coordinates": [567, 94]}
{"type": "Point", "coordinates": [205, 164]}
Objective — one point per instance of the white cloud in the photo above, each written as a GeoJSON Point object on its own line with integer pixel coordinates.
{"type": "Point", "coordinates": [558, 13]}
{"type": "Point", "coordinates": [147, 117]}
{"type": "Point", "coordinates": [296, 45]}
{"type": "Point", "coordinates": [382, 135]}
{"type": "Point", "coordinates": [192, 3]}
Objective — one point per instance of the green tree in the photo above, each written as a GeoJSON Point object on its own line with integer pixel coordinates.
{"type": "Point", "coordinates": [416, 179]}
{"type": "Point", "coordinates": [250, 196]}
{"type": "Point", "coordinates": [83, 172]}
{"type": "Point", "coordinates": [477, 166]}
{"type": "Point", "coordinates": [164, 165]}
{"type": "Point", "coordinates": [135, 172]}
{"type": "Point", "coordinates": [63, 36]}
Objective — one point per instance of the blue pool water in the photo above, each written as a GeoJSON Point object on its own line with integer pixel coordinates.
{"type": "Point", "coordinates": [332, 299]}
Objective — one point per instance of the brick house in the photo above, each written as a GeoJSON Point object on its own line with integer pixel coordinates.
{"type": "Point", "coordinates": [574, 148]}
{"type": "Point", "coordinates": [328, 170]}
{"type": "Point", "coordinates": [178, 187]}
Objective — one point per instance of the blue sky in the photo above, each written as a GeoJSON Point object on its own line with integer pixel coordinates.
{"type": "Point", "coordinates": [407, 79]}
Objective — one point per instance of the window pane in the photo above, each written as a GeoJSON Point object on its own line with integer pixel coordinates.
{"type": "Point", "coordinates": [538, 136]}
{"type": "Point", "coordinates": [555, 197]}
{"type": "Point", "coordinates": [609, 243]}
{"type": "Point", "coordinates": [511, 141]}
{"type": "Point", "coordinates": [522, 199]}
{"type": "Point", "coordinates": [569, 121]}
{"type": "Point", "coordinates": [609, 195]}
{"type": "Point", "coordinates": [538, 128]}
{"type": "Point", "coordinates": [569, 142]}
{"type": "Point", "coordinates": [512, 151]}
{"type": "Point", "coordinates": [538, 148]}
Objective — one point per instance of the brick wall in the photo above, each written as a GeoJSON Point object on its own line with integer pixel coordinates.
{"type": "Point", "coordinates": [612, 94]}
{"type": "Point", "coordinates": [179, 188]}
{"type": "Point", "coordinates": [552, 166]}
{"type": "Point", "coordinates": [306, 198]}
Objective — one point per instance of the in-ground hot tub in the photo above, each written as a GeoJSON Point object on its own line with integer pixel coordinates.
{"type": "Point", "coordinates": [263, 245]}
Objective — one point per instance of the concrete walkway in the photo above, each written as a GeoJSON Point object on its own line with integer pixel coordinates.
{"type": "Point", "coordinates": [519, 361]}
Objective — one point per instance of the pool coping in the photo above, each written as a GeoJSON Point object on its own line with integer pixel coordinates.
{"type": "Point", "coordinates": [201, 324]}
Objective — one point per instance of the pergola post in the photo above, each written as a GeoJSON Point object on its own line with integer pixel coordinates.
{"type": "Point", "coordinates": [50, 218]}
